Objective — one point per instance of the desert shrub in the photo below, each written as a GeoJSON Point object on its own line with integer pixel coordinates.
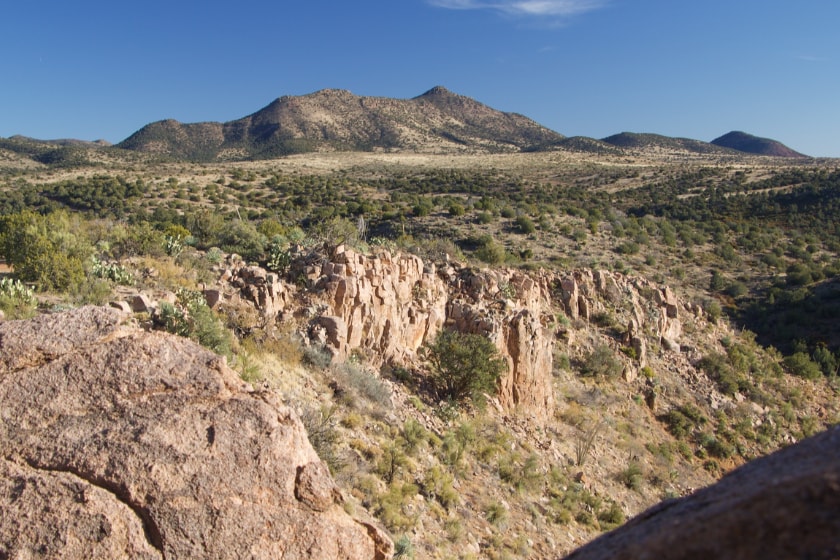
{"type": "Point", "coordinates": [525, 224]}
{"type": "Point", "coordinates": [491, 252]}
{"type": "Point", "coordinates": [601, 362]}
{"type": "Point", "coordinates": [355, 379]}
{"type": "Point", "coordinates": [317, 357]}
{"type": "Point", "coordinates": [826, 360]}
{"type": "Point", "coordinates": [484, 217]}
{"type": "Point", "coordinates": [464, 365]}
{"type": "Point", "coordinates": [403, 548]}
{"type": "Point", "coordinates": [190, 317]}
{"type": "Point", "coordinates": [718, 368]}
{"type": "Point", "coordinates": [391, 509]}
{"type": "Point", "coordinates": [632, 476]}
{"type": "Point", "coordinates": [242, 238]}
{"type": "Point", "coordinates": [135, 239]}
{"type": "Point", "coordinates": [681, 421]}
{"type": "Point", "coordinates": [456, 209]}
{"type": "Point", "coordinates": [92, 291]}
{"type": "Point", "coordinates": [456, 442]}
{"type": "Point", "coordinates": [801, 364]}
{"type": "Point", "coordinates": [414, 435]}
{"type": "Point", "coordinates": [611, 517]}
{"type": "Point", "coordinates": [715, 446]}
{"type": "Point", "coordinates": [713, 310]}
{"type": "Point", "coordinates": [320, 424]}
{"type": "Point", "coordinates": [496, 513]}
{"type": "Point", "coordinates": [392, 461]}
{"type": "Point", "coordinates": [437, 485]}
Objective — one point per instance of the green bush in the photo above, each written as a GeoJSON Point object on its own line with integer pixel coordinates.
{"type": "Point", "coordinates": [190, 317]}
{"type": "Point", "coordinates": [525, 225]}
{"type": "Point", "coordinates": [800, 364]}
{"type": "Point", "coordinates": [464, 365]}
{"type": "Point", "coordinates": [47, 250]}
{"type": "Point", "coordinates": [601, 362]}
{"type": "Point", "coordinates": [683, 420]}
{"type": "Point", "coordinates": [491, 252]}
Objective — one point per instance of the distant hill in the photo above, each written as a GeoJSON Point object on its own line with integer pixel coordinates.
{"type": "Point", "coordinates": [750, 144]}
{"type": "Point", "coordinates": [587, 145]}
{"type": "Point", "coordinates": [438, 121]}
{"type": "Point", "coordinates": [646, 141]}
{"type": "Point", "coordinates": [61, 153]}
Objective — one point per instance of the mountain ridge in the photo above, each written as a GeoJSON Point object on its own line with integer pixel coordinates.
{"type": "Point", "coordinates": [437, 121]}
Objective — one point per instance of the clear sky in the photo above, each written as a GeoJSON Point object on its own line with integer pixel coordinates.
{"type": "Point", "coordinates": [94, 69]}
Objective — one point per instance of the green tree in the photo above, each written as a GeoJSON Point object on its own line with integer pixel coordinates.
{"type": "Point", "coordinates": [464, 365]}
{"type": "Point", "coordinates": [48, 250]}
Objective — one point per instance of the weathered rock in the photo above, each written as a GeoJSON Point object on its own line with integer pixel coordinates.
{"type": "Point", "coordinates": [390, 305]}
{"type": "Point", "coordinates": [141, 303]}
{"type": "Point", "coordinates": [121, 305]}
{"type": "Point", "coordinates": [129, 444]}
{"type": "Point", "coordinates": [781, 506]}
{"type": "Point", "coordinates": [212, 297]}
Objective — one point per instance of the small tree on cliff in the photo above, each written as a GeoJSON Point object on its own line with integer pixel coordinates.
{"type": "Point", "coordinates": [464, 365]}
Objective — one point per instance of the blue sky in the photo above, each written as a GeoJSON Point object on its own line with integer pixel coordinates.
{"type": "Point", "coordinates": [95, 69]}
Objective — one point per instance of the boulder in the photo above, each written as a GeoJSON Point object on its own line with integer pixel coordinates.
{"type": "Point", "coordinates": [120, 443]}
{"type": "Point", "coordinates": [781, 506]}
{"type": "Point", "coordinates": [140, 303]}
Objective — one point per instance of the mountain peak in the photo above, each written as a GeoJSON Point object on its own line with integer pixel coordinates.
{"type": "Point", "coordinates": [743, 142]}
{"type": "Point", "coordinates": [437, 91]}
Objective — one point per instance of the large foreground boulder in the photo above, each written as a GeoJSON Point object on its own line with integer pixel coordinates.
{"type": "Point", "coordinates": [115, 443]}
{"type": "Point", "coordinates": [786, 505]}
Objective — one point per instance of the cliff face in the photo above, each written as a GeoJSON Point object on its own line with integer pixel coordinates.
{"type": "Point", "coordinates": [120, 443]}
{"type": "Point", "coordinates": [387, 306]}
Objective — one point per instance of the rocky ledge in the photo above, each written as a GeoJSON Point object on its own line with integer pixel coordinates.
{"type": "Point", "coordinates": [117, 443]}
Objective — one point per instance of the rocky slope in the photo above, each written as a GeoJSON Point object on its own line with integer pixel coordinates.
{"type": "Point", "coordinates": [121, 443]}
{"type": "Point", "coordinates": [438, 121]}
{"type": "Point", "coordinates": [781, 506]}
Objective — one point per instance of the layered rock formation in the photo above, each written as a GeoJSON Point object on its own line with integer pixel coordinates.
{"type": "Point", "coordinates": [120, 443]}
{"type": "Point", "coordinates": [781, 506]}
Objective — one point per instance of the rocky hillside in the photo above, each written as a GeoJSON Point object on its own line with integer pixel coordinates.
{"type": "Point", "coordinates": [781, 506]}
{"type": "Point", "coordinates": [616, 392]}
{"type": "Point", "coordinates": [438, 121]}
{"type": "Point", "coordinates": [750, 144]}
{"type": "Point", "coordinates": [646, 142]}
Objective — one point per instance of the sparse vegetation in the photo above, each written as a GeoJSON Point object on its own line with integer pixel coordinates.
{"type": "Point", "coordinates": [753, 245]}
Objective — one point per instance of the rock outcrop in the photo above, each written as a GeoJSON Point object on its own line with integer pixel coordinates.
{"type": "Point", "coordinates": [389, 305]}
{"type": "Point", "coordinates": [120, 443]}
{"type": "Point", "coordinates": [781, 506]}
